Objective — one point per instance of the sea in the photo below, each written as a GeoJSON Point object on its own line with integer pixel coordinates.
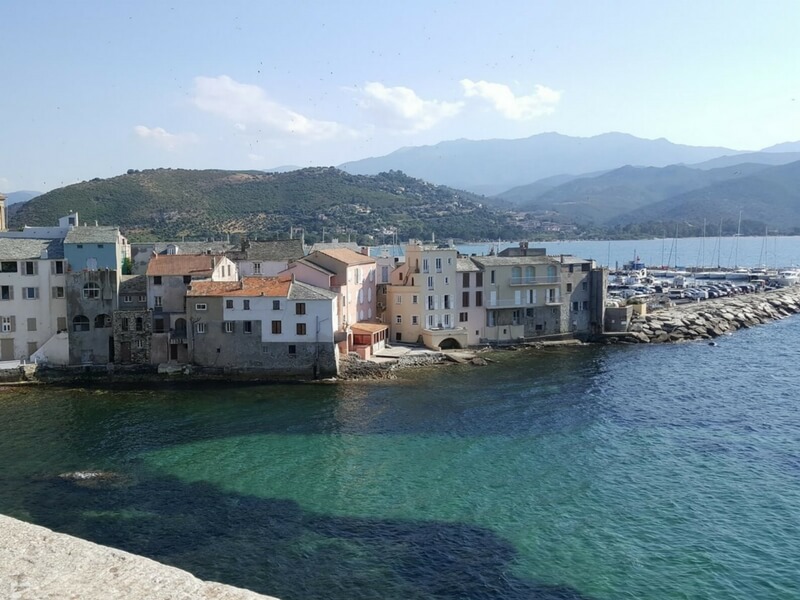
{"type": "Point", "coordinates": [724, 252]}
{"type": "Point", "coordinates": [583, 473]}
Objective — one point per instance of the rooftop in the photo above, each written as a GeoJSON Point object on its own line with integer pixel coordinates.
{"type": "Point", "coordinates": [182, 264]}
{"type": "Point", "coordinates": [347, 256]}
{"type": "Point", "coordinates": [132, 284]}
{"type": "Point", "coordinates": [306, 291]}
{"type": "Point", "coordinates": [464, 265]}
{"type": "Point", "coordinates": [275, 250]}
{"type": "Point", "coordinates": [504, 261]}
{"type": "Point", "coordinates": [92, 235]}
{"type": "Point", "coordinates": [24, 249]}
{"type": "Point", "coordinates": [247, 286]}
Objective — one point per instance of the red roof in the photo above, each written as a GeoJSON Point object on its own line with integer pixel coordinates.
{"type": "Point", "coordinates": [182, 264]}
{"type": "Point", "coordinates": [248, 286]}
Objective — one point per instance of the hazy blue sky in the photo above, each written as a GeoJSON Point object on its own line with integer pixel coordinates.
{"type": "Point", "coordinates": [92, 88]}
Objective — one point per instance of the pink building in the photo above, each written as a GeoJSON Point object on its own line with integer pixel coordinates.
{"type": "Point", "coordinates": [352, 276]}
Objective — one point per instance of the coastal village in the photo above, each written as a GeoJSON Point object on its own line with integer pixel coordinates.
{"type": "Point", "coordinates": [78, 294]}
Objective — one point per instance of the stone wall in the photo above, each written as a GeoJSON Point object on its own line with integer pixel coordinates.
{"type": "Point", "coordinates": [712, 318]}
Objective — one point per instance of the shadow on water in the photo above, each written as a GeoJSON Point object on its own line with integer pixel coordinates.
{"type": "Point", "coordinates": [275, 547]}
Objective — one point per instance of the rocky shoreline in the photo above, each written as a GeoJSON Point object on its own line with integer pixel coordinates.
{"type": "Point", "coordinates": [710, 318]}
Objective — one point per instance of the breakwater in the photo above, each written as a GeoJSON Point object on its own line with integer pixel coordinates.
{"type": "Point", "coordinates": [711, 318]}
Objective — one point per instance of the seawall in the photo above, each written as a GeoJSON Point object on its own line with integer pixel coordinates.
{"type": "Point", "coordinates": [37, 563]}
{"type": "Point", "coordinates": [711, 318]}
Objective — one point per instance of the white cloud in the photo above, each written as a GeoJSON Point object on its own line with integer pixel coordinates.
{"type": "Point", "coordinates": [246, 104]}
{"type": "Point", "coordinates": [518, 108]}
{"type": "Point", "coordinates": [400, 107]}
{"type": "Point", "coordinates": [163, 138]}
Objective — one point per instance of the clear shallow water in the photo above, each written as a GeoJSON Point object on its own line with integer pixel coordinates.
{"type": "Point", "coordinates": [587, 473]}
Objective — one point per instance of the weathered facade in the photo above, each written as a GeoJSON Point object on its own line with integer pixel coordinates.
{"type": "Point", "coordinates": [91, 302]}
{"type": "Point", "coordinates": [266, 258]}
{"type": "Point", "coordinates": [168, 279]}
{"type": "Point", "coordinates": [273, 325]}
{"type": "Point", "coordinates": [132, 322]}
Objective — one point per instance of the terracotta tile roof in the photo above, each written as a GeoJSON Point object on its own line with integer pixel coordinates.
{"type": "Point", "coordinates": [348, 257]}
{"type": "Point", "coordinates": [181, 264]}
{"type": "Point", "coordinates": [369, 327]}
{"type": "Point", "coordinates": [248, 286]}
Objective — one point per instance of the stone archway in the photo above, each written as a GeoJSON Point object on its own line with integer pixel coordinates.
{"type": "Point", "coordinates": [449, 344]}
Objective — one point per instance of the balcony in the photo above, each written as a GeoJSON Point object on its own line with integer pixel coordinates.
{"type": "Point", "coordinates": [546, 280]}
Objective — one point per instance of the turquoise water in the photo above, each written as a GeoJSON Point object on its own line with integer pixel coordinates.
{"type": "Point", "coordinates": [588, 473]}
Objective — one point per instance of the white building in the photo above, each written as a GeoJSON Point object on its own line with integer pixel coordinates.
{"type": "Point", "coordinates": [33, 307]}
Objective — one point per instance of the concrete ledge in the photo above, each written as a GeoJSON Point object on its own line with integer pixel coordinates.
{"type": "Point", "coordinates": [37, 564]}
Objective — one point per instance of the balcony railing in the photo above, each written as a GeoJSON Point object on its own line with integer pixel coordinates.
{"type": "Point", "coordinates": [546, 280]}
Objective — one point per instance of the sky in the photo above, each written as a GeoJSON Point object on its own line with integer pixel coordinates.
{"type": "Point", "coordinates": [92, 88]}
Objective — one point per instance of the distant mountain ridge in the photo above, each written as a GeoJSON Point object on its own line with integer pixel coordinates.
{"type": "Point", "coordinates": [493, 166]}
{"type": "Point", "coordinates": [20, 196]}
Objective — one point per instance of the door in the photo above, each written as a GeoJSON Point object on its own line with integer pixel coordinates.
{"type": "Point", "coordinates": [173, 351]}
{"type": "Point", "coordinates": [6, 349]}
{"type": "Point", "coordinates": [125, 352]}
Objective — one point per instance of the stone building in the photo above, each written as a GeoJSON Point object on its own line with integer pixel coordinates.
{"type": "Point", "coordinates": [266, 258]}
{"type": "Point", "coordinates": [274, 325]}
{"type": "Point", "coordinates": [132, 322]}
{"type": "Point", "coordinates": [91, 302]}
{"type": "Point", "coordinates": [168, 279]}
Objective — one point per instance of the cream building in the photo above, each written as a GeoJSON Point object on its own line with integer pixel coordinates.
{"type": "Point", "coordinates": [33, 307]}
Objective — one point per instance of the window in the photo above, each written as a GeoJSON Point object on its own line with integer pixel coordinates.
{"type": "Point", "coordinates": [91, 291]}
{"type": "Point", "coordinates": [139, 324]}
{"type": "Point", "coordinates": [398, 299]}
{"type": "Point", "coordinates": [398, 319]}
{"type": "Point", "coordinates": [478, 298]}
{"type": "Point", "coordinates": [80, 323]}
{"type": "Point", "coordinates": [7, 292]}
{"type": "Point", "coordinates": [301, 329]}
{"type": "Point", "coordinates": [465, 280]}
{"type": "Point", "coordinates": [140, 344]}
{"type": "Point", "coordinates": [264, 348]}
{"type": "Point", "coordinates": [465, 299]}
{"type": "Point", "coordinates": [584, 285]}
{"type": "Point", "coordinates": [187, 279]}
{"type": "Point", "coordinates": [200, 327]}
{"type": "Point", "coordinates": [102, 321]}
{"type": "Point", "coordinates": [292, 349]}
{"type": "Point", "coordinates": [157, 302]}
{"type": "Point", "coordinates": [414, 320]}
{"type": "Point", "coordinates": [575, 306]}
{"type": "Point", "coordinates": [245, 304]}
{"type": "Point", "coordinates": [430, 322]}
{"type": "Point", "coordinates": [158, 325]}
{"type": "Point", "coordinates": [479, 279]}
{"type": "Point", "coordinates": [276, 327]}
{"type": "Point", "coordinates": [58, 267]}
{"type": "Point", "coordinates": [229, 303]}
{"type": "Point", "coordinates": [248, 326]}
{"type": "Point", "coordinates": [430, 282]}
{"type": "Point", "coordinates": [569, 287]}
{"type": "Point", "coordinates": [447, 320]}
{"type": "Point", "coordinates": [126, 324]}
{"type": "Point", "coordinates": [491, 277]}
{"type": "Point", "coordinates": [157, 280]}
{"type": "Point", "coordinates": [358, 275]}
{"type": "Point", "coordinates": [414, 299]}
{"type": "Point", "coordinates": [227, 327]}
{"type": "Point", "coordinates": [79, 245]}
{"type": "Point", "coordinates": [29, 268]}
{"type": "Point", "coordinates": [531, 296]}
{"type": "Point", "coordinates": [425, 267]}
{"type": "Point", "coordinates": [438, 265]}
{"type": "Point", "coordinates": [431, 303]}
{"type": "Point", "coordinates": [276, 305]}
{"type": "Point", "coordinates": [257, 268]}
{"type": "Point", "coordinates": [300, 308]}
{"type": "Point", "coordinates": [447, 281]}
{"type": "Point", "coordinates": [8, 266]}
{"type": "Point", "coordinates": [447, 301]}
{"type": "Point", "coordinates": [126, 299]}
{"type": "Point", "coordinates": [5, 325]}
{"type": "Point", "coordinates": [462, 317]}
{"type": "Point", "coordinates": [32, 324]}
{"type": "Point", "coordinates": [201, 306]}
{"type": "Point", "coordinates": [58, 291]}
{"type": "Point", "coordinates": [30, 293]}
{"type": "Point", "coordinates": [585, 267]}
{"type": "Point", "coordinates": [99, 245]}
{"type": "Point", "coordinates": [142, 298]}
{"type": "Point", "coordinates": [585, 305]}
{"type": "Point", "coordinates": [552, 295]}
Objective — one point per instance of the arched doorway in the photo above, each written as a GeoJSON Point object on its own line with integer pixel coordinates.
{"type": "Point", "coordinates": [449, 344]}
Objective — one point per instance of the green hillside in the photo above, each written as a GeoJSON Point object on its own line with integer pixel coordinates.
{"type": "Point", "coordinates": [172, 203]}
